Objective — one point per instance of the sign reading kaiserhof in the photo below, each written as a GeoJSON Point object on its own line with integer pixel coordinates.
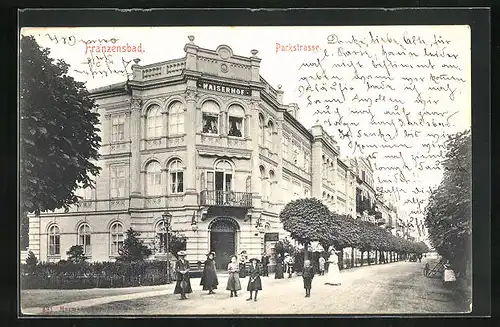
{"type": "Point", "coordinates": [223, 88]}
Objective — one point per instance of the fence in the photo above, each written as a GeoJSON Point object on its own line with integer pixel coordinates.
{"type": "Point", "coordinates": [66, 275]}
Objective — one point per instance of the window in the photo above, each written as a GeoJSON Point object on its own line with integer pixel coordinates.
{"type": "Point", "coordinates": [118, 128]}
{"type": "Point", "coordinates": [176, 177]}
{"type": "Point", "coordinates": [363, 176]}
{"type": "Point", "coordinates": [161, 236]}
{"type": "Point", "coordinates": [261, 130]}
{"type": "Point", "coordinates": [236, 115]}
{"type": "Point", "coordinates": [117, 182]}
{"type": "Point", "coordinates": [154, 122]}
{"type": "Point", "coordinates": [295, 154]}
{"type": "Point", "coordinates": [176, 119]}
{"type": "Point", "coordinates": [270, 134]}
{"type": "Point", "coordinates": [285, 144]}
{"type": "Point", "coordinates": [249, 184]}
{"type": "Point", "coordinates": [271, 183]}
{"type": "Point", "coordinates": [210, 181]}
{"type": "Point", "coordinates": [116, 237]}
{"type": "Point", "coordinates": [54, 240]}
{"type": "Point", "coordinates": [262, 185]}
{"type": "Point", "coordinates": [84, 238]}
{"type": "Point", "coordinates": [153, 178]}
{"type": "Point", "coordinates": [307, 192]}
{"type": "Point", "coordinates": [306, 161]}
{"type": "Point", "coordinates": [211, 112]}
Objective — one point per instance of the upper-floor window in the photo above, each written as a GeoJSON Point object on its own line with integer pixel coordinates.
{"type": "Point", "coordinates": [54, 240]}
{"type": "Point", "coordinates": [272, 183]}
{"type": "Point", "coordinates": [262, 184]}
{"type": "Point", "coordinates": [84, 238]}
{"type": "Point", "coordinates": [248, 185]}
{"type": "Point", "coordinates": [306, 162]}
{"type": "Point", "coordinates": [261, 130]}
{"type": "Point", "coordinates": [176, 119]}
{"type": "Point", "coordinates": [307, 192]}
{"type": "Point", "coordinates": [153, 178]}
{"type": "Point", "coordinates": [118, 128]}
{"type": "Point", "coordinates": [154, 121]}
{"type": "Point", "coordinates": [363, 175]}
{"type": "Point", "coordinates": [210, 111]}
{"type": "Point", "coordinates": [285, 144]}
{"type": "Point", "coordinates": [270, 135]}
{"type": "Point", "coordinates": [176, 171]}
{"type": "Point", "coordinates": [236, 116]}
{"type": "Point", "coordinates": [116, 237]}
{"type": "Point", "coordinates": [117, 181]}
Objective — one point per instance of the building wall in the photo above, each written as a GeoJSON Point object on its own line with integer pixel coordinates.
{"type": "Point", "coordinates": [308, 167]}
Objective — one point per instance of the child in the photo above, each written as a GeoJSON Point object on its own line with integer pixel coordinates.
{"type": "Point", "coordinates": [233, 281]}
{"type": "Point", "coordinates": [254, 282]}
{"type": "Point", "coordinates": [308, 275]}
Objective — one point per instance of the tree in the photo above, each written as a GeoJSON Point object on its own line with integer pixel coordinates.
{"type": "Point", "coordinates": [177, 242]}
{"type": "Point", "coordinates": [76, 254]}
{"type": "Point", "coordinates": [31, 262]}
{"type": "Point", "coordinates": [448, 213]}
{"type": "Point", "coordinates": [133, 248]}
{"type": "Point", "coordinates": [58, 139]}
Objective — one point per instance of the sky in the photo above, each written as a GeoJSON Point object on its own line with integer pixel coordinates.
{"type": "Point", "coordinates": [286, 68]}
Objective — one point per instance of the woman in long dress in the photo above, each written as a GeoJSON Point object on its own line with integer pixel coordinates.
{"type": "Point", "coordinates": [279, 267]}
{"type": "Point", "coordinates": [333, 276]}
{"type": "Point", "coordinates": [233, 281]}
{"type": "Point", "coordinates": [254, 282]}
{"type": "Point", "coordinates": [209, 278]}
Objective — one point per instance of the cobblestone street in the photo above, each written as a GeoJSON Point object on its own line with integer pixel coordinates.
{"type": "Point", "coordinates": [393, 288]}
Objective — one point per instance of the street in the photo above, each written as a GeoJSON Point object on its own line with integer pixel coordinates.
{"type": "Point", "coordinates": [392, 288]}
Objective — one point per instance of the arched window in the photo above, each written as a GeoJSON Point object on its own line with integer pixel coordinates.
{"type": "Point", "coordinates": [236, 117]}
{"type": "Point", "coordinates": [261, 130]}
{"type": "Point", "coordinates": [154, 122]}
{"type": "Point", "coordinates": [262, 184]}
{"type": "Point", "coordinates": [270, 134]}
{"type": "Point", "coordinates": [176, 119]}
{"type": "Point", "coordinates": [272, 182]}
{"type": "Point", "coordinates": [176, 171]}
{"type": "Point", "coordinates": [54, 240]}
{"type": "Point", "coordinates": [153, 178]}
{"type": "Point", "coordinates": [161, 237]}
{"type": "Point", "coordinates": [116, 237]}
{"type": "Point", "coordinates": [210, 111]}
{"type": "Point", "coordinates": [84, 238]}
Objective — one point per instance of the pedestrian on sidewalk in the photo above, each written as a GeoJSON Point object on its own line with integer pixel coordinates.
{"type": "Point", "coordinates": [254, 282]}
{"type": "Point", "coordinates": [209, 278]}
{"type": "Point", "coordinates": [289, 265]}
{"type": "Point", "coordinates": [242, 266]}
{"type": "Point", "coordinates": [321, 263]}
{"type": "Point", "coordinates": [279, 267]}
{"type": "Point", "coordinates": [233, 281]}
{"type": "Point", "coordinates": [307, 276]}
{"type": "Point", "coordinates": [265, 263]}
{"type": "Point", "coordinates": [183, 285]}
{"type": "Point", "coordinates": [333, 277]}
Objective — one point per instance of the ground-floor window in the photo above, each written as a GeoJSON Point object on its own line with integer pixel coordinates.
{"type": "Point", "coordinates": [54, 241]}
{"type": "Point", "coordinates": [116, 233]}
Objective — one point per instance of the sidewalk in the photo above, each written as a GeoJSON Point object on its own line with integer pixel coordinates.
{"type": "Point", "coordinates": [168, 289]}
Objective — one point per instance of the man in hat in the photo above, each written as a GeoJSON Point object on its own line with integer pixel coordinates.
{"type": "Point", "coordinates": [265, 263]}
{"type": "Point", "coordinates": [254, 282]}
{"type": "Point", "coordinates": [209, 278]}
{"type": "Point", "coordinates": [183, 284]}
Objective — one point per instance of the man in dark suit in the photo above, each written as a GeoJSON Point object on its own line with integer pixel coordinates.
{"type": "Point", "coordinates": [183, 284]}
{"type": "Point", "coordinates": [265, 262]}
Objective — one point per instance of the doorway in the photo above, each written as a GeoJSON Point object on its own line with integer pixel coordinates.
{"type": "Point", "coordinates": [223, 241]}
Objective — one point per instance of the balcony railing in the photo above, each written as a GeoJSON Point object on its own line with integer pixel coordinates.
{"type": "Point", "coordinates": [226, 199]}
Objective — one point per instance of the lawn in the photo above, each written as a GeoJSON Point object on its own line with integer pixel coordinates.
{"type": "Point", "coordinates": [46, 298]}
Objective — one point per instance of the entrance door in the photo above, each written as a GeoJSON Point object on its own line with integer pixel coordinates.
{"type": "Point", "coordinates": [223, 242]}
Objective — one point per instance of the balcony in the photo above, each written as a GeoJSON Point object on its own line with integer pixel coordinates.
{"type": "Point", "coordinates": [226, 199]}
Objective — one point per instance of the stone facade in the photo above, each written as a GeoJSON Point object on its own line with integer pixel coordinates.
{"type": "Point", "coordinates": [208, 140]}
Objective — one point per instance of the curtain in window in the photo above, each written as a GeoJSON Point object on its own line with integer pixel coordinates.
{"type": "Point", "coordinates": [153, 178]}
{"type": "Point", "coordinates": [154, 122]}
{"type": "Point", "coordinates": [176, 119]}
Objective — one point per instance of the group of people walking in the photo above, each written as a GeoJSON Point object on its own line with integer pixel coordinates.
{"type": "Point", "coordinates": [237, 270]}
{"type": "Point", "coordinates": [209, 279]}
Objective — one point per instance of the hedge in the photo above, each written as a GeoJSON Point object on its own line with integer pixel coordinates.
{"type": "Point", "coordinates": [67, 275]}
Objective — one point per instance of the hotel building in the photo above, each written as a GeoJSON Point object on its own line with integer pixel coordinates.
{"type": "Point", "coordinates": [208, 140]}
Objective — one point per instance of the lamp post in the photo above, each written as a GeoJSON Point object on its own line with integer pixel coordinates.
{"type": "Point", "coordinates": [167, 219]}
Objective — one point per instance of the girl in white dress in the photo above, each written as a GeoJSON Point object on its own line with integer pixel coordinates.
{"type": "Point", "coordinates": [333, 276]}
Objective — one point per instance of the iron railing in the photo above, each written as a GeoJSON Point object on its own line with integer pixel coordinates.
{"type": "Point", "coordinates": [226, 199]}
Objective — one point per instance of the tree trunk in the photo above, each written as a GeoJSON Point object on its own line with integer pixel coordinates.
{"type": "Point", "coordinates": [341, 259]}
{"type": "Point", "coordinates": [306, 254]}
{"type": "Point", "coordinates": [368, 257]}
{"type": "Point", "coordinates": [352, 258]}
{"type": "Point", "coordinates": [376, 257]}
{"type": "Point", "coordinates": [361, 263]}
